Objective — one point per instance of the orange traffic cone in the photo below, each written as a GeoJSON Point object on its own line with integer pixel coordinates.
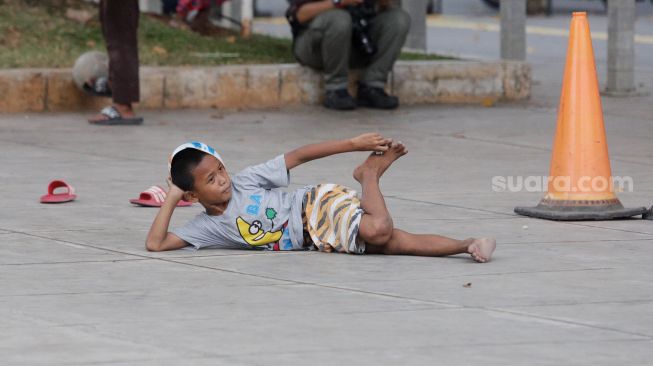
{"type": "Point", "coordinates": [580, 185]}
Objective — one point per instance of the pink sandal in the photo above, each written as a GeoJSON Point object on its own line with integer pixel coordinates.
{"type": "Point", "coordinates": [154, 197]}
{"type": "Point", "coordinates": [63, 196]}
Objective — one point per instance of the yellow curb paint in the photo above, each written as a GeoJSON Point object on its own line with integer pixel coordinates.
{"type": "Point", "coordinates": [274, 20]}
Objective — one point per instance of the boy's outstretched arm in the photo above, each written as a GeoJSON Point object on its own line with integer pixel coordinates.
{"type": "Point", "coordinates": [364, 142]}
{"type": "Point", "coordinates": [159, 239]}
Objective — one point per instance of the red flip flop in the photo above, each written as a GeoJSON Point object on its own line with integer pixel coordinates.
{"type": "Point", "coordinates": [64, 196]}
{"type": "Point", "coordinates": [154, 197]}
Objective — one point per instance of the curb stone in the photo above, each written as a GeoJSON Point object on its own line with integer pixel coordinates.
{"type": "Point", "coordinates": [266, 86]}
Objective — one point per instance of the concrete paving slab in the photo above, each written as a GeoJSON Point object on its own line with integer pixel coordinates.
{"type": "Point", "coordinates": [514, 278]}
{"type": "Point", "coordinates": [596, 353]}
{"type": "Point", "coordinates": [228, 334]}
{"type": "Point", "coordinates": [576, 351]}
{"type": "Point", "coordinates": [212, 303]}
{"type": "Point", "coordinates": [22, 249]}
{"type": "Point", "coordinates": [633, 226]}
{"type": "Point", "coordinates": [485, 200]}
{"type": "Point", "coordinates": [632, 315]}
{"type": "Point", "coordinates": [130, 241]}
{"type": "Point", "coordinates": [115, 276]}
{"type": "Point", "coordinates": [524, 230]}
{"type": "Point", "coordinates": [527, 288]}
{"type": "Point", "coordinates": [29, 341]}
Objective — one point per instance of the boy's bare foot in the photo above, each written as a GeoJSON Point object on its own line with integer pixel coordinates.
{"type": "Point", "coordinates": [481, 249]}
{"type": "Point", "coordinates": [378, 164]}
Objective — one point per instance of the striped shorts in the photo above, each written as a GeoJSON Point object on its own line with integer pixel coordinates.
{"type": "Point", "coordinates": [332, 216]}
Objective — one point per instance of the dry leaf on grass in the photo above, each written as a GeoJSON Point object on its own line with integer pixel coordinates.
{"type": "Point", "coordinates": [11, 37]}
{"type": "Point", "coordinates": [80, 16]}
{"type": "Point", "coordinates": [159, 50]}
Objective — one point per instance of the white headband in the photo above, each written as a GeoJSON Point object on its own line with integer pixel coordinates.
{"type": "Point", "coordinates": [197, 146]}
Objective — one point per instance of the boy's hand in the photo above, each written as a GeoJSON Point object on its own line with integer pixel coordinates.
{"type": "Point", "coordinates": [158, 238]}
{"type": "Point", "coordinates": [174, 192]}
{"type": "Point", "coordinates": [371, 142]}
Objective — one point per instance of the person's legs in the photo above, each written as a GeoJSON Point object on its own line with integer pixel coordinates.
{"type": "Point", "coordinates": [326, 45]}
{"type": "Point", "coordinates": [307, 48]}
{"type": "Point", "coordinates": [388, 30]}
{"type": "Point", "coordinates": [429, 245]}
{"type": "Point", "coordinates": [119, 26]}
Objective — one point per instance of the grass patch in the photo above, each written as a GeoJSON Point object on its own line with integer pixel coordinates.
{"type": "Point", "coordinates": [37, 33]}
{"type": "Point", "coordinates": [413, 56]}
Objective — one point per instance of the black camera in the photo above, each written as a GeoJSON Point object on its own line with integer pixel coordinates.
{"type": "Point", "coordinates": [360, 18]}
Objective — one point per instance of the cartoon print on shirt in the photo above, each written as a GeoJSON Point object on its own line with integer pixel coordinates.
{"type": "Point", "coordinates": [256, 204]}
{"type": "Point", "coordinates": [255, 235]}
{"type": "Point", "coordinates": [271, 214]}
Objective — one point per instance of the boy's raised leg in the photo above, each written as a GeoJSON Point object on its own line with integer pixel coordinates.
{"type": "Point", "coordinates": [376, 224]}
{"type": "Point", "coordinates": [376, 227]}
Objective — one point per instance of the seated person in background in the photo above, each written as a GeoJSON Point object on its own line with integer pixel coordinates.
{"type": "Point", "coordinates": [332, 35]}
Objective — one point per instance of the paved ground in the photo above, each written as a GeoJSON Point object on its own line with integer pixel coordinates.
{"type": "Point", "coordinates": [77, 287]}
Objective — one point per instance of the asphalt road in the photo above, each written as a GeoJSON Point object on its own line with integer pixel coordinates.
{"type": "Point", "coordinates": [478, 8]}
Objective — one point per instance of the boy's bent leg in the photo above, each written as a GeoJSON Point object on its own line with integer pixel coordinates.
{"type": "Point", "coordinates": [307, 48]}
{"type": "Point", "coordinates": [326, 45]}
{"type": "Point", "coordinates": [428, 245]}
{"type": "Point", "coordinates": [376, 224]}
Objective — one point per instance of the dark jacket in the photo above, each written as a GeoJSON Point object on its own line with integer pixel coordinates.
{"type": "Point", "coordinates": [291, 15]}
{"type": "Point", "coordinates": [293, 8]}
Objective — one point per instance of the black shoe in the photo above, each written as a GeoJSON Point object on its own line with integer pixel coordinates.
{"type": "Point", "coordinates": [372, 97]}
{"type": "Point", "coordinates": [339, 99]}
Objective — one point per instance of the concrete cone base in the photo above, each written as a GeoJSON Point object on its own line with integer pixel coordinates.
{"type": "Point", "coordinates": [566, 212]}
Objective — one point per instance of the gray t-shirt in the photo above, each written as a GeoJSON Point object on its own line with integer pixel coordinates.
{"type": "Point", "coordinates": [258, 216]}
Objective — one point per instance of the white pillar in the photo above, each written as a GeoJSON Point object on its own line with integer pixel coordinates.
{"type": "Point", "coordinates": [513, 29]}
{"type": "Point", "coordinates": [416, 39]}
{"type": "Point", "coordinates": [621, 48]}
{"type": "Point", "coordinates": [151, 6]}
{"type": "Point", "coordinates": [246, 14]}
